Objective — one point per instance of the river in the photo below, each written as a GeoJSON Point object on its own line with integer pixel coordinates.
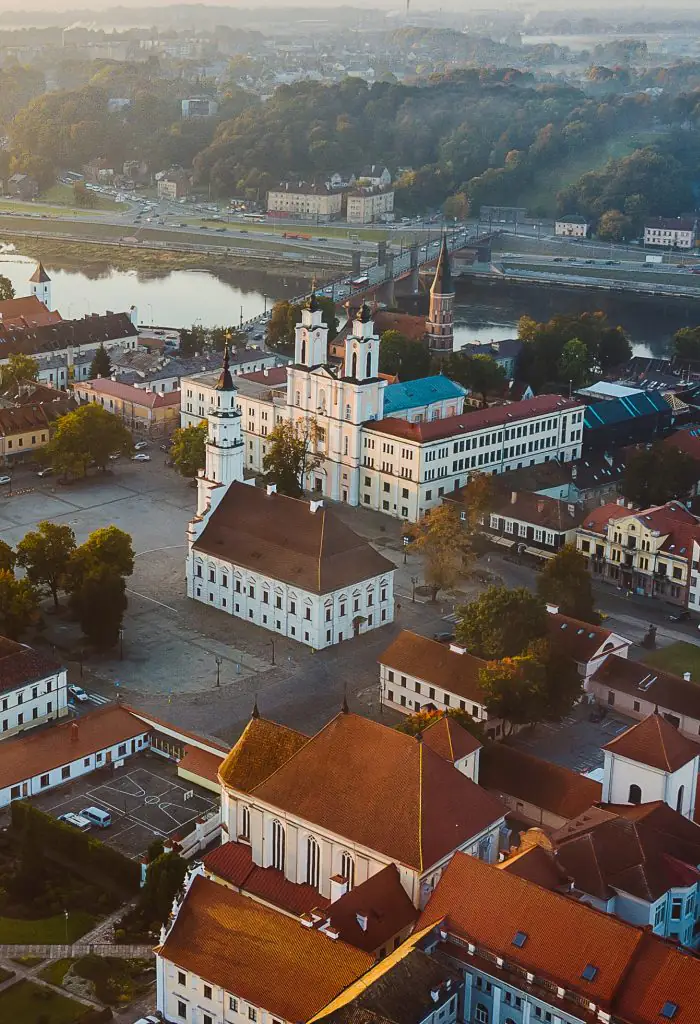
{"type": "Point", "coordinates": [483, 312]}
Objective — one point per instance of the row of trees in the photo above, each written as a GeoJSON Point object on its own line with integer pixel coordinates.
{"type": "Point", "coordinates": [570, 349]}
{"type": "Point", "coordinates": [92, 574]}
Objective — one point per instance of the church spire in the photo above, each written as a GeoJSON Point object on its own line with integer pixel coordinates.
{"type": "Point", "coordinates": [442, 282]}
{"type": "Point", "coordinates": [440, 323]}
{"type": "Point", "coordinates": [225, 381]}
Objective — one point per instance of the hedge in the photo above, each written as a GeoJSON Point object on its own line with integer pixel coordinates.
{"type": "Point", "coordinates": [82, 851]}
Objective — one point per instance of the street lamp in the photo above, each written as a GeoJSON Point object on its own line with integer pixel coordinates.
{"type": "Point", "coordinates": [121, 649]}
{"type": "Point", "coordinates": [218, 661]}
{"type": "Point", "coordinates": [406, 542]}
{"type": "Point", "coordinates": [414, 581]}
{"type": "Point", "coordinates": [272, 645]}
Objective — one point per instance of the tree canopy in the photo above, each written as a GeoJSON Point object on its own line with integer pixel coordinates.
{"type": "Point", "coordinates": [444, 545]}
{"type": "Point", "coordinates": [89, 434]}
{"type": "Point", "coordinates": [686, 344]}
{"type": "Point", "coordinates": [284, 317]}
{"type": "Point", "coordinates": [291, 453]}
{"type": "Point", "coordinates": [19, 604]}
{"type": "Point", "coordinates": [19, 367]}
{"type": "Point", "coordinates": [659, 474]}
{"type": "Point", "coordinates": [101, 365]}
{"type": "Point", "coordinates": [566, 582]}
{"type": "Point", "coordinates": [45, 554]}
{"type": "Point", "coordinates": [407, 359]}
{"type": "Point", "coordinates": [548, 357]}
{"type": "Point", "coordinates": [501, 623]}
{"type": "Point", "coordinates": [188, 450]}
{"type": "Point", "coordinates": [480, 374]}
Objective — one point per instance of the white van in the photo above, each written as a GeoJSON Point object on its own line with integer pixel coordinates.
{"type": "Point", "coordinates": [103, 819]}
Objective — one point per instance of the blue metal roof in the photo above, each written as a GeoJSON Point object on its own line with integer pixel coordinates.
{"type": "Point", "coordinates": [620, 409]}
{"type": "Point", "coordinates": [415, 393]}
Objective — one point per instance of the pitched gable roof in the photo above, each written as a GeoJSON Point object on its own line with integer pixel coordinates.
{"type": "Point", "coordinates": [668, 691]}
{"type": "Point", "coordinates": [508, 770]}
{"type": "Point", "coordinates": [435, 663]}
{"type": "Point", "coordinates": [580, 640]}
{"type": "Point", "coordinates": [449, 739]}
{"type": "Point", "coordinates": [281, 538]}
{"type": "Point", "coordinates": [384, 904]}
{"type": "Point", "coordinates": [656, 743]}
{"type": "Point", "coordinates": [383, 790]}
{"type": "Point", "coordinates": [261, 749]}
{"type": "Point", "coordinates": [267, 958]}
{"type": "Point", "coordinates": [661, 973]}
{"type": "Point", "coordinates": [20, 664]}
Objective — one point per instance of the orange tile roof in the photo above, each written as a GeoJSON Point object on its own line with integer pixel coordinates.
{"type": "Point", "coordinates": [383, 790]}
{"type": "Point", "coordinates": [507, 770]}
{"type": "Point", "coordinates": [597, 519]}
{"type": "Point", "coordinates": [487, 906]}
{"type": "Point", "coordinates": [27, 311]}
{"type": "Point", "coordinates": [261, 749]}
{"type": "Point", "coordinates": [266, 958]}
{"type": "Point", "coordinates": [449, 739]}
{"type": "Point", "coordinates": [536, 865]}
{"type": "Point", "coordinates": [385, 904]}
{"type": "Point", "coordinates": [436, 664]}
{"type": "Point", "coordinates": [654, 742]}
{"type": "Point", "coordinates": [201, 763]}
{"type": "Point", "coordinates": [45, 749]}
{"type": "Point", "coordinates": [127, 393]}
{"type": "Point", "coordinates": [580, 640]}
{"type": "Point", "coordinates": [661, 973]}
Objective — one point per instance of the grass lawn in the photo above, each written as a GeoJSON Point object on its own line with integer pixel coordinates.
{"type": "Point", "coordinates": [45, 931]}
{"type": "Point", "coordinates": [62, 195]}
{"type": "Point", "coordinates": [26, 1003]}
{"type": "Point", "coordinates": [55, 971]}
{"type": "Point", "coordinates": [677, 658]}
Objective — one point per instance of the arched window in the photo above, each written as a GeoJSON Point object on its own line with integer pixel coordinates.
{"type": "Point", "coordinates": [635, 796]}
{"type": "Point", "coordinates": [481, 1014]}
{"type": "Point", "coordinates": [353, 371]}
{"type": "Point", "coordinates": [347, 869]}
{"type": "Point", "coordinates": [278, 845]}
{"type": "Point", "coordinates": [245, 823]}
{"type": "Point", "coordinates": [368, 370]}
{"type": "Point", "coordinates": [679, 800]}
{"type": "Point", "coordinates": [313, 863]}
{"type": "Point", "coordinates": [303, 352]}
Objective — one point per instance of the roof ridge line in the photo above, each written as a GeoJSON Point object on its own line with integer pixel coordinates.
{"type": "Point", "coordinates": [420, 805]}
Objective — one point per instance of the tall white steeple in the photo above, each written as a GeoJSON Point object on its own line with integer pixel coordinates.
{"type": "Point", "coordinates": [40, 285]}
{"type": "Point", "coordinates": [362, 348]}
{"type": "Point", "coordinates": [224, 445]}
{"type": "Point", "coordinates": [311, 335]}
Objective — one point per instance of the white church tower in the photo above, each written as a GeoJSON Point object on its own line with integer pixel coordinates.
{"type": "Point", "coordinates": [311, 336]}
{"type": "Point", "coordinates": [224, 444]}
{"type": "Point", "coordinates": [40, 285]}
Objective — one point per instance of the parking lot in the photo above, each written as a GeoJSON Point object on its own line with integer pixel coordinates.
{"type": "Point", "coordinates": [145, 798]}
{"type": "Point", "coordinates": [575, 742]}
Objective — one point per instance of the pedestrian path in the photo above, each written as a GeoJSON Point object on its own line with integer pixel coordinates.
{"type": "Point", "coordinates": [97, 698]}
{"type": "Point", "coordinates": [76, 950]}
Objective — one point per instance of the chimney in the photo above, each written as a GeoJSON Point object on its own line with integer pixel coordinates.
{"type": "Point", "coordinates": [513, 497]}
{"type": "Point", "coordinates": [314, 506]}
{"type": "Point", "coordinates": [74, 732]}
{"type": "Point", "coordinates": [362, 920]}
{"type": "Point", "coordinates": [339, 886]}
{"type": "Point", "coordinates": [271, 489]}
{"type": "Point", "coordinates": [266, 371]}
{"type": "Point", "coordinates": [571, 509]}
{"type": "Point", "coordinates": [553, 609]}
{"type": "Point", "coordinates": [686, 676]}
{"type": "Point", "coordinates": [435, 993]}
{"type": "Point", "coordinates": [540, 507]}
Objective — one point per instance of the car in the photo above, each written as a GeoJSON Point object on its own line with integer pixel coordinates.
{"type": "Point", "coordinates": [443, 638]}
{"type": "Point", "coordinates": [78, 693]}
{"type": "Point", "coordinates": [164, 447]}
{"type": "Point", "coordinates": [140, 457]}
{"type": "Point", "coordinates": [46, 471]}
{"type": "Point", "coordinates": [115, 455]}
{"type": "Point", "coordinates": [148, 1019]}
{"type": "Point", "coordinates": [5, 479]}
{"type": "Point", "coordinates": [682, 615]}
{"type": "Point", "coordinates": [76, 820]}
{"type": "Point", "coordinates": [140, 445]}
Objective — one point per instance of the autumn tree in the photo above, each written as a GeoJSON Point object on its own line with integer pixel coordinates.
{"type": "Point", "coordinates": [417, 723]}
{"type": "Point", "coordinates": [101, 365]}
{"type": "Point", "coordinates": [615, 226]}
{"type": "Point", "coordinates": [478, 496]}
{"type": "Point", "coordinates": [500, 623]}
{"type": "Point", "coordinates": [8, 557]}
{"type": "Point", "coordinates": [83, 196]}
{"type": "Point", "coordinates": [440, 539]}
{"type": "Point", "coordinates": [686, 344]}
{"type": "Point", "coordinates": [44, 554]}
{"type": "Point", "coordinates": [188, 450]}
{"type": "Point", "coordinates": [7, 290]}
{"type": "Point", "coordinates": [566, 582]}
{"type": "Point", "coordinates": [659, 474]}
{"type": "Point", "coordinates": [89, 434]}
{"type": "Point", "coordinates": [19, 367]}
{"type": "Point", "coordinates": [19, 603]}
{"type": "Point", "coordinates": [291, 454]}
{"type": "Point", "coordinates": [514, 688]}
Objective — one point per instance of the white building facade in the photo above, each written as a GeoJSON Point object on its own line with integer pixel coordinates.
{"type": "Point", "coordinates": [37, 698]}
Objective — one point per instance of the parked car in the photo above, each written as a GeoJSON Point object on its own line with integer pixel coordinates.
{"type": "Point", "coordinates": [443, 638]}
{"type": "Point", "coordinates": [140, 445]}
{"type": "Point", "coordinates": [5, 479]}
{"type": "Point", "coordinates": [46, 471]}
{"type": "Point", "coordinates": [77, 692]}
{"type": "Point", "coordinates": [115, 455]}
{"type": "Point", "coordinates": [140, 457]}
{"type": "Point", "coordinates": [149, 1019]}
{"type": "Point", "coordinates": [76, 820]}
{"type": "Point", "coordinates": [98, 816]}
{"type": "Point", "coordinates": [682, 615]}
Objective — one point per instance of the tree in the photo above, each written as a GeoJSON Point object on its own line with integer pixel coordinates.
{"type": "Point", "coordinates": [514, 689]}
{"type": "Point", "coordinates": [44, 554]}
{"type": "Point", "coordinates": [573, 363]}
{"type": "Point", "coordinates": [101, 365]}
{"type": "Point", "coordinates": [659, 474]}
{"type": "Point", "coordinates": [7, 290]}
{"type": "Point", "coordinates": [108, 546]}
{"type": "Point", "coordinates": [407, 359]}
{"type": "Point", "coordinates": [416, 724]}
{"type": "Point", "coordinates": [218, 336]}
{"type": "Point", "coordinates": [8, 557]}
{"type": "Point", "coordinates": [19, 367]}
{"type": "Point", "coordinates": [500, 623]}
{"type": "Point", "coordinates": [615, 226]}
{"type": "Point", "coordinates": [192, 341]}
{"type": "Point", "coordinates": [480, 374]}
{"type": "Point", "coordinates": [165, 876]}
{"type": "Point", "coordinates": [565, 582]}
{"type": "Point", "coordinates": [478, 496]}
{"type": "Point", "coordinates": [90, 433]}
{"type": "Point", "coordinates": [686, 344]}
{"type": "Point", "coordinates": [19, 602]}
{"type": "Point", "coordinates": [83, 196]}
{"type": "Point", "coordinates": [443, 543]}
{"type": "Point", "coordinates": [98, 601]}
{"type": "Point", "coordinates": [188, 449]}
{"type": "Point", "coordinates": [291, 454]}
{"type": "Point", "coordinates": [456, 207]}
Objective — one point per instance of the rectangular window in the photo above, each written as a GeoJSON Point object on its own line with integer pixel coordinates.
{"type": "Point", "coordinates": [252, 1013]}
{"type": "Point", "coordinates": [182, 1009]}
{"type": "Point", "coordinates": [207, 1019]}
{"type": "Point", "coordinates": [44, 781]}
{"type": "Point", "coordinates": [676, 908]}
{"type": "Point", "coordinates": [207, 991]}
{"type": "Point", "coordinates": [65, 771]}
{"type": "Point", "coordinates": [181, 978]}
{"type": "Point", "coordinates": [233, 1004]}
{"type": "Point", "coordinates": [121, 750]}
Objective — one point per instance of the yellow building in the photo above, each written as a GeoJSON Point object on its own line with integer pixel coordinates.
{"type": "Point", "coordinates": [141, 410]}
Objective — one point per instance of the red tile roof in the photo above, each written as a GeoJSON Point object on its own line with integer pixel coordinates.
{"type": "Point", "coordinates": [266, 958]}
{"type": "Point", "coordinates": [687, 440]}
{"type": "Point", "coordinates": [538, 865]}
{"type": "Point", "coordinates": [479, 419]}
{"type": "Point", "coordinates": [506, 770]}
{"type": "Point", "coordinates": [43, 750]}
{"type": "Point", "coordinates": [201, 763]}
{"type": "Point", "coordinates": [580, 640]}
{"type": "Point", "coordinates": [20, 664]}
{"type": "Point", "coordinates": [411, 805]}
{"type": "Point", "coordinates": [233, 863]}
{"type": "Point", "coordinates": [261, 749]}
{"type": "Point", "coordinates": [488, 906]}
{"type": "Point", "coordinates": [660, 973]}
{"type": "Point", "coordinates": [449, 739]}
{"type": "Point", "coordinates": [385, 904]}
{"type": "Point", "coordinates": [435, 664]}
{"type": "Point", "coordinates": [274, 376]}
{"type": "Point", "coordinates": [669, 692]}
{"type": "Point", "coordinates": [27, 312]}
{"type": "Point", "coordinates": [598, 518]}
{"type": "Point", "coordinates": [127, 393]}
{"type": "Point", "coordinates": [656, 743]}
